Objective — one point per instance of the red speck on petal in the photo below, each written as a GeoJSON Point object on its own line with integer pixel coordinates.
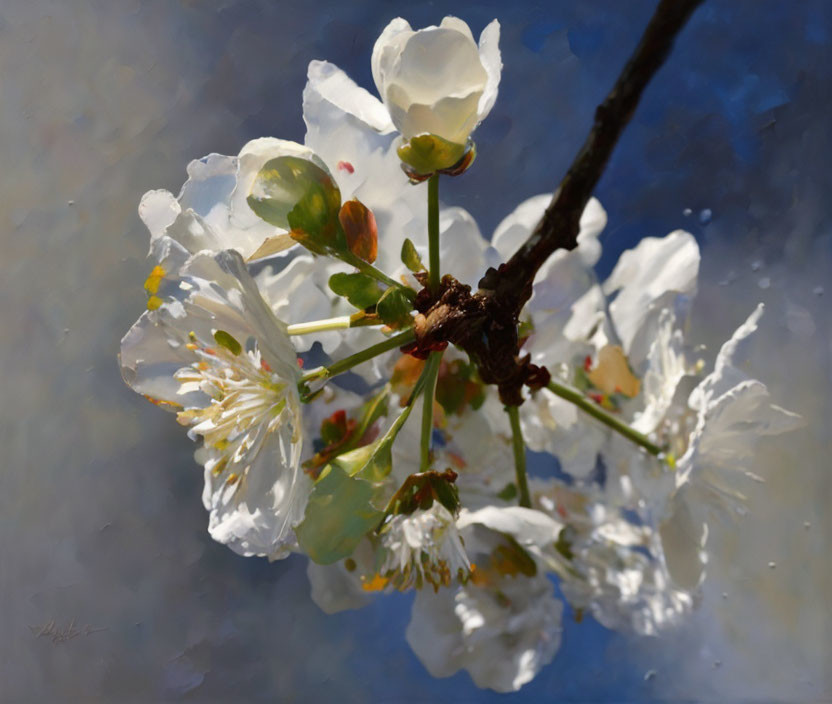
{"type": "Point", "coordinates": [598, 398]}
{"type": "Point", "coordinates": [346, 166]}
{"type": "Point", "coordinates": [264, 365]}
{"type": "Point", "coordinates": [562, 512]}
{"type": "Point", "coordinates": [587, 363]}
{"type": "Point", "coordinates": [300, 362]}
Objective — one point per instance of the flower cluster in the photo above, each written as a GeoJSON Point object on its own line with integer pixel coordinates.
{"type": "Point", "coordinates": [287, 253]}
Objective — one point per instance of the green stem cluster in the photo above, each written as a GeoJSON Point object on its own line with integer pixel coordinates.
{"type": "Point", "coordinates": [368, 269]}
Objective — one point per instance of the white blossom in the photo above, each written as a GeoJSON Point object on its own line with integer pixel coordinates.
{"type": "Point", "coordinates": [710, 429]}
{"type": "Point", "coordinates": [423, 548]}
{"type": "Point", "coordinates": [610, 565]}
{"type": "Point", "coordinates": [437, 80]}
{"type": "Point", "coordinates": [504, 624]}
{"type": "Point", "coordinates": [214, 353]}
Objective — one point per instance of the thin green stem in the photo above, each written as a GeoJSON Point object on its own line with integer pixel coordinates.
{"type": "Point", "coordinates": [433, 232]}
{"type": "Point", "coordinates": [342, 322]}
{"type": "Point", "coordinates": [431, 370]}
{"type": "Point", "coordinates": [343, 365]}
{"type": "Point", "coordinates": [370, 270]}
{"type": "Point", "coordinates": [588, 406]}
{"type": "Point", "coordinates": [519, 448]}
{"type": "Point", "coordinates": [431, 373]}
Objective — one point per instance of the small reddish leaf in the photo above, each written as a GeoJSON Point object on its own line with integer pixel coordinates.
{"type": "Point", "coordinates": [359, 226]}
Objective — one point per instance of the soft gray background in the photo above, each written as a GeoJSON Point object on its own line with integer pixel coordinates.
{"type": "Point", "coordinates": [100, 516]}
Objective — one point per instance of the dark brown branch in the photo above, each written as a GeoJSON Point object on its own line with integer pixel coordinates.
{"type": "Point", "coordinates": [558, 229]}
{"type": "Point", "coordinates": [485, 324]}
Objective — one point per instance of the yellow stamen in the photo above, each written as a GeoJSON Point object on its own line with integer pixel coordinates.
{"type": "Point", "coordinates": [153, 281]}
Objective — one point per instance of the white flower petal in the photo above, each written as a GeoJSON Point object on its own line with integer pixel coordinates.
{"type": "Point", "coordinates": [158, 209]}
{"type": "Point", "coordinates": [732, 355]}
{"type": "Point", "coordinates": [528, 527]}
{"type": "Point", "coordinates": [436, 63]}
{"type": "Point", "coordinates": [458, 25]}
{"type": "Point", "coordinates": [255, 515]}
{"type": "Point", "coordinates": [296, 295]}
{"type": "Point", "coordinates": [656, 274]}
{"type": "Point", "coordinates": [502, 639]}
{"type": "Point", "coordinates": [683, 540]}
{"type": "Point", "coordinates": [208, 190]}
{"type": "Point", "coordinates": [387, 49]}
{"type": "Point", "coordinates": [462, 249]}
{"type": "Point", "coordinates": [489, 49]}
{"type": "Point", "coordinates": [327, 82]}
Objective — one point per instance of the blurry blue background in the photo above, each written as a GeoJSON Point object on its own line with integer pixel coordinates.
{"type": "Point", "coordinates": [101, 522]}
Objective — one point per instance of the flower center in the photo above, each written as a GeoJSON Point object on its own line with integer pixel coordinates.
{"type": "Point", "coordinates": [247, 400]}
{"type": "Point", "coordinates": [424, 547]}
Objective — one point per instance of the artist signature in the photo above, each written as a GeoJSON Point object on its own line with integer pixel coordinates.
{"type": "Point", "coordinates": [61, 634]}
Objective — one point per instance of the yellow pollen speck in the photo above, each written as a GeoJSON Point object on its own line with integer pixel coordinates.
{"type": "Point", "coordinates": [376, 584]}
{"type": "Point", "coordinates": [151, 284]}
{"type": "Point", "coordinates": [191, 346]}
{"type": "Point", "coordinates": [232, 479]}
{"type": "Point", "coordinates": [154, 302]}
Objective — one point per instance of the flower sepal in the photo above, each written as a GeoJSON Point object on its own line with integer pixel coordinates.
{"type": "Point", "coordinates": [419, 491]}
{"type": "Point", "coordinates": [427, 154]}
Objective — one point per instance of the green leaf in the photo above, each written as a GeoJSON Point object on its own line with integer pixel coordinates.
{"type": "Point", "coordinates": [372, 410]}
{"type": "Point", "coordinates": [360, 290]}
{"type": "Point", "coordinates": [296, 194]}
{"type": "Point", "coordinates": [339, 513]}
{"type": "Point", "coordinates": [342, 505]}
{"type": "Point", "coordinates": [411, 258]}
{"type": "Point", "coordinates": [371, 462]}
{"type": "Point", "coordinates": [428, 153]}
{"type": "Point", "coordinates": [394, 308]}
{"type": "Point", "coordinates": [228, 341]}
